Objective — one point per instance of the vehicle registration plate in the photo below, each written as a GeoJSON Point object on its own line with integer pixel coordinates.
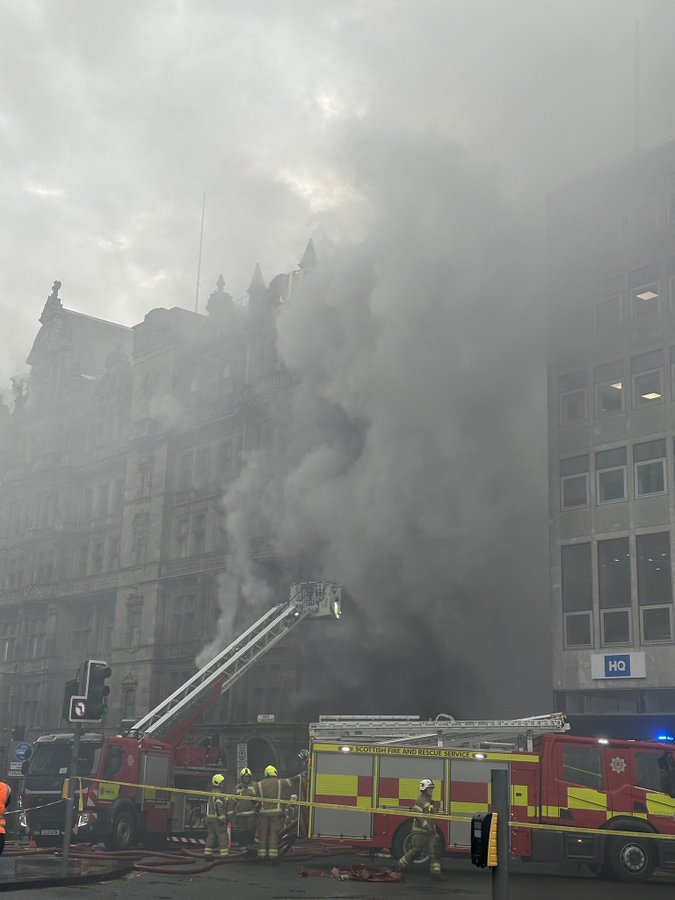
{"type": "Point", "coordinates": [50, 831]}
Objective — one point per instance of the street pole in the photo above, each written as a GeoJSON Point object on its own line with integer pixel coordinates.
{"type": "Point", "coordinates": [72, 793]}
{"type": "Point", "coordinates": [501, 805]}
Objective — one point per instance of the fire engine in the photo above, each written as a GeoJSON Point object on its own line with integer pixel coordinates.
{"type": "Point", "coordinates": [577, 785]}
{"type": "Point", "coordinates": [152, 751]}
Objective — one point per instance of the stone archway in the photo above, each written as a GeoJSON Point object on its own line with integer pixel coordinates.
{"type": "Point", "coordinates": [260, 754]}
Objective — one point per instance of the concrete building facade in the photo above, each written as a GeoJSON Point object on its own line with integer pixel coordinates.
{"type": "Point", "coordinates": [115, 459]}
{"type": "Point", "coordinates": [611, 400]}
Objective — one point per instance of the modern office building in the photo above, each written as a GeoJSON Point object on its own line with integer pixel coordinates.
{"type": "Point", "coordinates": [611, 400]}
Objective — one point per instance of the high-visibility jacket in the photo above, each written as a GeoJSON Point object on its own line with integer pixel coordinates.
{"type": "Point", "coordinates": [245, 806]}
{"type": "Point", "coordinates": [216, 806]}
{"type": "Point", "coordinates": [272, 791]}
{"type": "Point", "coordinates": [5, 799]}
{"type": "Point", "coordinates": [424, 805]}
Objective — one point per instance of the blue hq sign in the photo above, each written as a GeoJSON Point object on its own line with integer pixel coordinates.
{"type": "Point", "coordinates": [617, 665]}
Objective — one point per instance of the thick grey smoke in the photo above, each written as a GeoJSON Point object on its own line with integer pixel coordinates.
{"type": "Point", "coordinates": [411, 463]}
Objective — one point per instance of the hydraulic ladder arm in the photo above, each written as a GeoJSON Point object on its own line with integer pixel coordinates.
{"type": "Point", "coordinates": [171, 720]}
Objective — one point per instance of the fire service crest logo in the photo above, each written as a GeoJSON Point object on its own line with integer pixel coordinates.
{"type": "Point", "coordinates": [618, 765]}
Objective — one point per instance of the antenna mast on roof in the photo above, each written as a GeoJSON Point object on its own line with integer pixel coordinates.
{"type": "Point", "coordinates": [199, 262]}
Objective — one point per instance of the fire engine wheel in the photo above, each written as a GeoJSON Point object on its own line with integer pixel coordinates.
{"type": "Point", "coordinates": [123, 832]}
{"type": "Point", "coordinates": [631, 859]}
{"type": "Point", "coordinates": [403, 842]}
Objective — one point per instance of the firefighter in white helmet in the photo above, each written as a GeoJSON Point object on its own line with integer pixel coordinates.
{"type": "Point", "coordinates": [216, 819]}
{"type": "Point", "coordinates": [424, 839]}
{"type": "Point", "coordinates": [243, 811]}
{"type": "Point", "coordinates": [273, 791]}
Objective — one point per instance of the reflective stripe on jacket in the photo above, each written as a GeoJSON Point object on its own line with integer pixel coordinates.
{"type": "Point", "coordinates": [270, 795]}
{"type": "Point", "coordinates": [247, 800]}
{"type": "Point", "coordinates": [423, 805]}
{"type": "Point", "coordinates": [215, 807]}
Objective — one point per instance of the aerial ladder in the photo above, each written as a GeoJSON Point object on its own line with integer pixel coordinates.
{"type": "Point", "coordinates": [443, 731]}
{"type": "Point", "coordinates": [171, 720]}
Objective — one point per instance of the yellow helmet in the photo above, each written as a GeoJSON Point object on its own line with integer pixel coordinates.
{"type": "Point", "coordinates": [217, 780]}
{"type": "Point", "coordinates": [271, 771]}
{"type": "Point", "coordinates": [246, 771]}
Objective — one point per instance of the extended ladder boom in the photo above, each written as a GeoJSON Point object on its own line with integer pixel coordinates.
{"type": "Point", "coordinates": [173, 717]}
{"type": "Point", "coordinates": [443, 731]}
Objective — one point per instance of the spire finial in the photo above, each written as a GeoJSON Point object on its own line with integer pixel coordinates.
{"type": "Point", "coordinates": [53, 304]}
{"type": "Point", "coordinates": [309, 258]}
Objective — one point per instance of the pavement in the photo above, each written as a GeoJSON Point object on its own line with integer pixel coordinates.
{"type": "Point", "coordinates": [24, 869]}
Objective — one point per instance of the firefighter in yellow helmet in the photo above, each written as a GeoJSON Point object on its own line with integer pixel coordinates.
{"type": "Point", "coordinates": [216, 819]}
{"type": "Point", "coordinates": [243, 811]}
{"type": "Point", "coordinates": [273, 791]}
{"type": "Point", "coordinates": [424, 840]}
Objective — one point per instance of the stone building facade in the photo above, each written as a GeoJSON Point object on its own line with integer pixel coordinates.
{"type": "Point", "coordinates": [114, 462]}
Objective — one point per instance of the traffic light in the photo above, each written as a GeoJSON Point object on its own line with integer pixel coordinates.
{"type": "Point", "coordinates": [484, 840]}
{"type": "Point", "coordinates": [71, 690]}
{"type": "Point", "coordinates": [97, 690]}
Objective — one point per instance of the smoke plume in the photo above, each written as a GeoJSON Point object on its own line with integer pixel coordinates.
{"type": "Point", "coordinates": [409, 460]}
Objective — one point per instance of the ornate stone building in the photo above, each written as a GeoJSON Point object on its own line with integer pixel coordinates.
{"type": "Point", "coordinates": [114, 462]}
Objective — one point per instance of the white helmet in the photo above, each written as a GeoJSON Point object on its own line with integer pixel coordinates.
{"type": "Point", "coordinates": [426, 783]}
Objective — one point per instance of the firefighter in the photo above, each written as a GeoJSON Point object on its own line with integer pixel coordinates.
{"type": "Point", "coordinates": [243, 811]}
{"type": "Point", "coordinates": [5, 800]}
{"type": "Point", "coordinates": [216, 819]}
{"type": "Point", "coordinates": [424, 840]}
{"type": "Point", "coordinates": [272, 812]}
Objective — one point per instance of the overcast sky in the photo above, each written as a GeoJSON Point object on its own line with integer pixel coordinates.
{"type": "Point", "coordinates": [115, 118]}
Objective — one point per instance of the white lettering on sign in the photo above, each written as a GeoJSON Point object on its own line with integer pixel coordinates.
{"type": "Point", "coordinates": [617, 665]}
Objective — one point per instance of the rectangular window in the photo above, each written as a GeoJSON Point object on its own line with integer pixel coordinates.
{"type": "Point", "coordinates": [182, 527]}
{"type": "Point", "coordinates": [37, 637]}
{"type": "Point", "coordinates": [117, 501]}
{"type": "Point", "coordinates": [649, 460]}
{"type": "Point", "coordinates": [201, 476]}
{"type": "Point", "coordinates": [645, 296]}
{"type": "Point", "coordinates": [574, 482]}
{"type": "Point", "coordinates": [113, 553]}
{"type": "Point", "coordinates": [184, 480]}
{"type": "Point", "coordinates": [615, 627]}
{"type": "Point", "coordinates": [609, 389]}
{"type": "Point", "coordinates": [670, 209]}
{"type": "Point", "coordinates": [610, 475]}
{"type": "Point", "coordinates": [577, 594]}
{"type": "Point", "coordinates": [573, 397]}
{"type": "Point", "coordinates": [647, 372]}
{"type": "Point", "coordinates": [614, 590]}
{"type": "Point", "coordinates": [646, 300]}
{"type": "Point", "coordinates": [98, 558]}
{"type": "Point", "coordinates": [8, 631]}
{"type": "Point", "coordinates": [133, 629]}
{"type": "Point", "coordinates": [198, 533]}
{"type": "Point", "coordinates": [583, 765]}
{"type": "Point", "coordinates": [144, 480]}
{"type": "Point", "coordinates": [128, 701]}
{"type": "Point", "coordinates": [607, 312]}
{"type": "Point", "coordinates": [654, 586]}
{"type": "Point", "coordinates": [81, 563]}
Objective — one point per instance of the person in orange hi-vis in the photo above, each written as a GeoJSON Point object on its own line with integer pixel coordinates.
{"type": "Point", "coordinates": [5, 800]}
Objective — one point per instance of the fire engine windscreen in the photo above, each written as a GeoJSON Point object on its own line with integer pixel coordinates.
{"type": "Point", "coordinates": [54, 759]}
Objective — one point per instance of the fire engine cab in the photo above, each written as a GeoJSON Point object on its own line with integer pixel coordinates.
{"type": "Point", "coordinates": [585, 789]}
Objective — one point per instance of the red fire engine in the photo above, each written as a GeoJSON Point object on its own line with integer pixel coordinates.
{"type": "Point", "coordinates": [570, 783]}
{"type": "Point", "coordinates": [151, 752]}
